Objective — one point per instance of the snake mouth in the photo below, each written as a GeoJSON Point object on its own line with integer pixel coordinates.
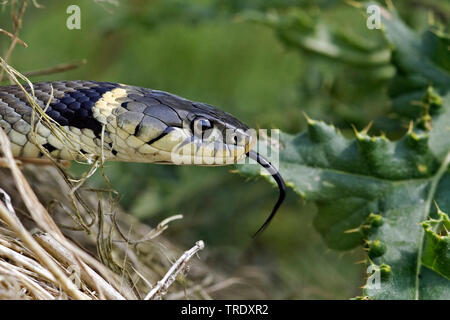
{"type": "Point", "coordinates": [211, 150]}
{"type": "Point", "coordinates": [207, 153]}
{"type": "Point", "coordinates": [278, 179]}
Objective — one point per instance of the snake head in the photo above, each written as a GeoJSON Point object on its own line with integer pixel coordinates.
{"type": "Point", "coordinates": [128, 123]}
{"type": "Point", "coordinates": [185, 132]}
{"type": "Point", "coordinates": [201, 134]}
{"type": "Point", "coordinates": [213, 137]}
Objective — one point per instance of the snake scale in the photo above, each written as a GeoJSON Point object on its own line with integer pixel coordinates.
{"type": "Point", "coordinates": [124, 123]}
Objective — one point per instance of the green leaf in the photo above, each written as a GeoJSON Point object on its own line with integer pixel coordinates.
{"type": "Point", "coordinates": [425, 56]}
{"type": "Point", "coordinates": [298, 29]}
{"type": "Point", "coordinates": [439, 136]}
{"type": "Point", "coordinates": [436, 254]}
{"type": "Point", "coordinates": [371, 191]}
{"type": "Point", "coordinates": [375, 193]}
{"type": "Point", "coordinates": [421, 61]}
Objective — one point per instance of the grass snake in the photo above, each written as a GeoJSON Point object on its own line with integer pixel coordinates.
{"type": "Point", "coordinates": [85, 119]}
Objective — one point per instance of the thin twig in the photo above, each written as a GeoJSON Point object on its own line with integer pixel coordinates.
{"type": "Point", "coordinates": [56, 69]}
{"type": "Point", "coordinates": [16, 18]}
{"type": "Point", "coordinates": [163, 285]}
{"type": "Point", "coordinates": [9, 34]}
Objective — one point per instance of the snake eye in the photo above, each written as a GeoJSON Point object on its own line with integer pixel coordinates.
{"type": "Point", "coordinates": [200, 125]}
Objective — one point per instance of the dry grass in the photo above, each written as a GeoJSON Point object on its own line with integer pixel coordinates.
{"type": "Point", "coordinates": [37, 259]}
{"type": "Point", "coordinates": [44, 254]}
{"type": "Point", "coordinates": [61, 240]}
{"type": "Point", "coordinates": [42, 263]}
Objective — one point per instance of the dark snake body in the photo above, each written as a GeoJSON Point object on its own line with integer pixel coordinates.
{"type": "Point", "coordinates": [88, 120]}
{"type": "Point", "coordinates": [134, 118]}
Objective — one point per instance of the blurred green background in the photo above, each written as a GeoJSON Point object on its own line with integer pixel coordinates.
{"type": "Point", "coordinates": [214, 51]}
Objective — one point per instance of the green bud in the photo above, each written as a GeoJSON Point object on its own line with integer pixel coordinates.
{"type": "Point", "coordinates": [376, 248]}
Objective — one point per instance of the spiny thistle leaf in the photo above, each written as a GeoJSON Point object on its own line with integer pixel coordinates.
{"type": "Point", "coordinates": [297, 29]}
{"type": "Point", "coordinates": [436, 254]}
{"type": "Point", "coordinates": [374, 192]}
{"type": "Point", "coordinates": [421, 61]}
{"type": "Point", "coordinates": [371, 191]}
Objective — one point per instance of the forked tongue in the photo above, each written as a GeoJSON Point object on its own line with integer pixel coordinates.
{"type": "Point", "coordinates": [279, 180]}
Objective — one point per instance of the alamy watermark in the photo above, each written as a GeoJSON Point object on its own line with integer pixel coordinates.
{"type": "Point", "coordinates": [374, 18]}
{"type": "Point", "coordinates": [228, 146]}
{"type": "Point", "coordinates": [374, 280]}
{"type": "Point", "coordinates": [73, 21]}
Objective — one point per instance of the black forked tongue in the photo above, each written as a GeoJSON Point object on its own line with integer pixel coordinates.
{"type": "Point", "coordinates": [279, 180]}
